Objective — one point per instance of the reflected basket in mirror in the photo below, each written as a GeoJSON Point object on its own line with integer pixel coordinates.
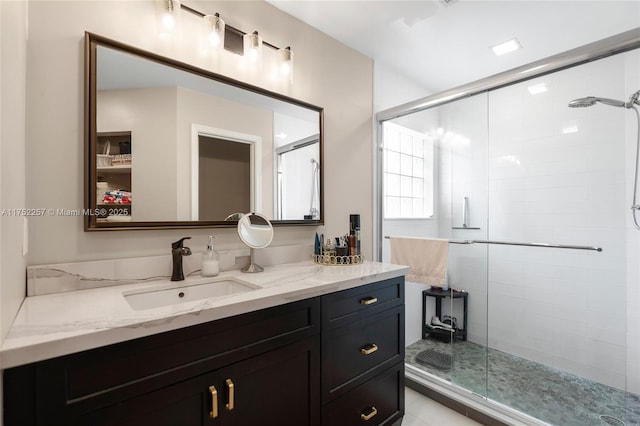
{"type": "Point", "coordinates": [331, 260]}
{"type": "Point", "coordinates": [104, 159]}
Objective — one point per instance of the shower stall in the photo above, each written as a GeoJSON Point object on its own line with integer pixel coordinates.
{"type": "Point", "coordinates": [538, 202]}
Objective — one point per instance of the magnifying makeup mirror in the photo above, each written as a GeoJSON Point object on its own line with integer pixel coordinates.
{"type": "Point", "coordinates": [256, 232]}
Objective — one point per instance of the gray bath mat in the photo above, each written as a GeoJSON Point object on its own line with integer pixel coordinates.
{"type": "Point", "coordinates": [435, 359]}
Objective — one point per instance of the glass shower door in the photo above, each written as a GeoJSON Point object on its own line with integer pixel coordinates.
{"type": "Point", "coordinates": [557, 327]}
{"type": "Point", "coordinates": [464, 217]}
{"type": "Point", "coordinates": [524, 188]}
{"type": "Point", "coordinates": [456, 184]}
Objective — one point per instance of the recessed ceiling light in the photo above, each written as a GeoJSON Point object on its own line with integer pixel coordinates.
{"type": "Point", "coordinates": [537, 88]}
{"type": "Point", "coordinates": [506, 47]}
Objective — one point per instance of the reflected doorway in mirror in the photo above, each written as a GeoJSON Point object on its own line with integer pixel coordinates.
{"type": "Point", "coordinates": [225, 173]}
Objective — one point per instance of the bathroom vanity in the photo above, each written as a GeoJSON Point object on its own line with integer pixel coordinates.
{"type": "Point", "coordinates": [332, 353]}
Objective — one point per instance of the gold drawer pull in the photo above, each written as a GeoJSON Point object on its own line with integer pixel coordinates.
{"type": "Point", "coordinates": [369, 349]}
{"type": "Point", "coordinates": [368, 300]}
{"type": "Point", "coordinates": [231, 388]}
{"type": "Point", "coordinates": [214, 402]}
{"type": "Point", "coordinates": [372, 412]}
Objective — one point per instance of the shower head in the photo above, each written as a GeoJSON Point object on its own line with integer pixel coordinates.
{"type": "Point", "coordinates": [592, 100]}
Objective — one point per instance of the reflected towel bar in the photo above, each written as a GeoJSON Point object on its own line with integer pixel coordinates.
{"type": "Point", "coordinates": [508, 243]}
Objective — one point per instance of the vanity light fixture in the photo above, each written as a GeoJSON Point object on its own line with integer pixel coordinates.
{"type": "Point", "coordinates": [506, 47]}
{"type": "Point", "coordinates": [285, 63]}
{"type": "Point", "coordinates": [168, 10]}
{"type": "Point", "coordinates": [223, 36]}
{"type": "Point", "coordinates": [252, 46]}
{"type": "Point", "coordinates": [215, 29]}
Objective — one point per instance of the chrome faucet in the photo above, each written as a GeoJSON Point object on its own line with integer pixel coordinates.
{"type": "Point", "coordinates": [177, 250]}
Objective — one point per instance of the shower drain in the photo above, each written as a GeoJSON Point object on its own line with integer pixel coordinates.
{"type": "Point", "coordinates": [611, 420]}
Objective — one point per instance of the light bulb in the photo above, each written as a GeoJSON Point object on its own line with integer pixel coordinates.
{"type": "Point", "coordinates": [168, 14]}
{"type": "Point", "coordinates": [215, 28]}
{"type": "Point", "coordinates": [285, 60]}
{"type": "Point", "coordinates": [252, 46]}
{"type": "Point", "coordinates": [168, 21]}
{"type": "Point", "coordinates": [214, 39]}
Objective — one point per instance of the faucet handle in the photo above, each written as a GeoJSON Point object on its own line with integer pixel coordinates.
{"type": "Point", "coordinates": [178, 244]}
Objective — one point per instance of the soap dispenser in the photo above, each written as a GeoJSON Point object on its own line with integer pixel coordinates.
{"type": "Point", "coordinates": [210, 260]}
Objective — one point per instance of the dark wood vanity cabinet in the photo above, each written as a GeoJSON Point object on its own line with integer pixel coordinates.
{"type": "Point", "coordinates": [363, 355]}
{"type": "Point", "coordinates": [275, 388]}
{"type": "Point", "coordinates": [333, 360]}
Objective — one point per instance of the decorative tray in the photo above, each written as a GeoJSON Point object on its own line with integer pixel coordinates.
{"type": "Point", "coordinates": [325, 259]}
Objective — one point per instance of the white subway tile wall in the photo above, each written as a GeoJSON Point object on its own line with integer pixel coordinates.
{"type": "Point", "coordinates": [563, 308]}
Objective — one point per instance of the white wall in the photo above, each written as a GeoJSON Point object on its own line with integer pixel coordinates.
{"type": "Point", "coordinates": [220, 113]}
{"type": "Point", "coordinates": [150, 114]}
{"type": "Point", "coordinates": [328, 74]}
{"type": "Point", "coordinates": [392, 88]}
{"type": "Point", "coordinates": [13, 66]}
{"type": "Point", "coordinates": [549, 186]}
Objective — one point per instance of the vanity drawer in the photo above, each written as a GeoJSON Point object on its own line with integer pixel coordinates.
{"type": "Point", "coordinates": [348, 305]}
{"type": "Point", "coordinates": [380, 401]}
{"type": "Point", "coordinates": [352, 353]}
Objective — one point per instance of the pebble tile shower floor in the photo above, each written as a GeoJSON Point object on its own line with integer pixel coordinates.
{"type": "Point", "coordinates": [551, 395]}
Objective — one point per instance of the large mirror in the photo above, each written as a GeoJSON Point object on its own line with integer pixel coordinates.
{"type": "Point", "coordinates": [169, 145]}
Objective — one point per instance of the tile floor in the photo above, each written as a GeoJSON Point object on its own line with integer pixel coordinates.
{"type": "Point", "coordinates": [423, 411]}
{"type": "Point", "coordinates": [551, 395]}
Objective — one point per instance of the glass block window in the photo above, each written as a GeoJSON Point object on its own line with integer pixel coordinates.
{"type": "Point", "coordinates": [408, 173]}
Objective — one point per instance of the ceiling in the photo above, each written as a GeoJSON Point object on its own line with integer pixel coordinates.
{"type": "Point", "coordinates": [443, 46]}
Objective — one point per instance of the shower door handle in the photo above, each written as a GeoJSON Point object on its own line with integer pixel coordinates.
{"type": "Point", "coordinates": [465, 212]}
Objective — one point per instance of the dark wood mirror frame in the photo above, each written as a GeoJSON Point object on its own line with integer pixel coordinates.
{"type": "Point", "coordinates": [92, 41]}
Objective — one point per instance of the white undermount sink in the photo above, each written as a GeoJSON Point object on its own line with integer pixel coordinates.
{"type": "Point", "coordinates": [177, 292]}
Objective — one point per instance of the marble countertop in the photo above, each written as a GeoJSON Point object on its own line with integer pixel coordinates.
{"type": "Point", "coordinates": [58, 324]}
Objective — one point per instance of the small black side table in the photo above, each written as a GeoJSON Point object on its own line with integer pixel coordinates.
{"type": "Point", "coordinates": [440, 294]}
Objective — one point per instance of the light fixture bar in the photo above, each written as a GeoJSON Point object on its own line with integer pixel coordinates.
{"type": "Point", "coordinates": [228, 28]}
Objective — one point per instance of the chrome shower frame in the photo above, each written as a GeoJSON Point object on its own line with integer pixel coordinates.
{"type": "Point", "coordinates": [609, 46]}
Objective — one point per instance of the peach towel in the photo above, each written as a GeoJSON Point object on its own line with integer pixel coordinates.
{"type": "Point", "coordinates": [427, 258]}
